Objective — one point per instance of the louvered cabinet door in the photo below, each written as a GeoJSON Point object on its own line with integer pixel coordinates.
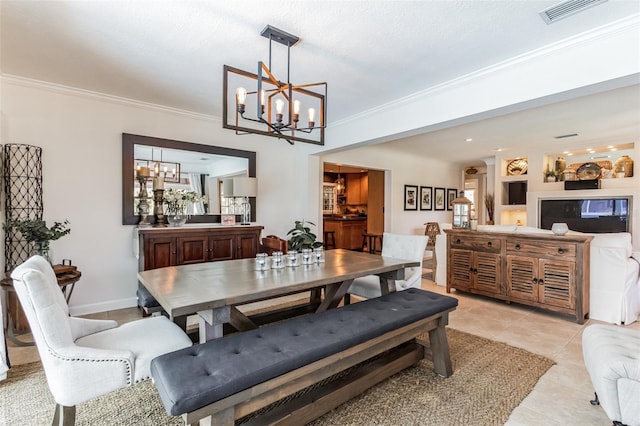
{"type": "Point", "coordinates": [487, 271]}
{"type": "Point", "coordinates": [461, 272]}
{"type": "Point", "coordinates": [522, 278]}
{"type": "Point", "coordinates": [556, 280]}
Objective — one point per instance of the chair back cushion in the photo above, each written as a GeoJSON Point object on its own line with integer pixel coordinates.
{"type": "Point", "coordinates": [410, 247]}
{"type": "Point", "coordinates": [43, 303]}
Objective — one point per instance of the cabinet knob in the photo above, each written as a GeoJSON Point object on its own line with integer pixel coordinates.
{"type": "Point", "coordinates": [561, 250]}
{"type": "Point", "coordinates": [489, 244]}
{"type": "Point", "coordinates": [535, 281]}
{"type": "Point", "coordinates": [458, 241]}
{"type": "Point", "coordinates": [541, 281]}
{"type": "Point", "coordinates": [517, 247]}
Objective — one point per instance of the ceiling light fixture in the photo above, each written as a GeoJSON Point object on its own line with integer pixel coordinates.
{"type": "Point", "coordinates": [280, 101]}
{"type": "Point", "coordinates": [340, 186]}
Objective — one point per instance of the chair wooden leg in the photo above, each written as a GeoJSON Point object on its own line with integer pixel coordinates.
{"type": "Point", "coordinates": [64, 416]}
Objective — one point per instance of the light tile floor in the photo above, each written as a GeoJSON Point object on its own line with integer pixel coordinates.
{"type": "Point", "coordinates": [562, 395]}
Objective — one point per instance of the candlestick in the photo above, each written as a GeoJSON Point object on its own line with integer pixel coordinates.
{"type": "Point", "coordinates": [158, 196]}
{"type": "Point", "coordinates": [143, 204]}
{"type": "Point", "coordinates": [158, 183]}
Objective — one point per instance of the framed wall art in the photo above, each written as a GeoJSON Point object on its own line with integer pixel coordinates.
{"type": "Point", "coordinates": [451, 195]}
{"type": "Point", "coordinates": [411, 197]}
{"type": "Point", "coordinates": [439, 198]}
{"type": "Point", "coordinates": [426, 198]}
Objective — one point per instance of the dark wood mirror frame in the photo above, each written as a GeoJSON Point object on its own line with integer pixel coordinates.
{"type": "Point", "coordinates": [128, 142]}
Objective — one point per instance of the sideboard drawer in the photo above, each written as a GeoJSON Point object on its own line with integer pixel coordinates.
{"type": "Point", "coordinates": [476, 243]}
{"type": "Point", "coordinates": [542, 248]}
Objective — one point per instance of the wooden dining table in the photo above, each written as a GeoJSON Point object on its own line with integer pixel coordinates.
{"type": "Point", "coordinates": [214, 290]}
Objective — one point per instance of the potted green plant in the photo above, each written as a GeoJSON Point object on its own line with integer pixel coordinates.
{"type": "Point", "coordinates": [301, 236]}
{"type": "Point", "coordinates": [36, 231]}
{"type": "Point", "coordinates": [550, 175]}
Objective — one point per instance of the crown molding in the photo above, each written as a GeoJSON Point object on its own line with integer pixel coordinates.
{"type": "Point", "coordinates": [630, 23]}
{"type": "Point", "coordinates": [103, 97]}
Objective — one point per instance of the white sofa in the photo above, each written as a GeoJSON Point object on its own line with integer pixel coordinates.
{"type": "Point", "coordinates": [614, 272]}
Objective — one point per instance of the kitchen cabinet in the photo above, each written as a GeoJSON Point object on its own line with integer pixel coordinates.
{"type": "Point", "coordinates": [348, 232]}
{"type": "Point", "coordinates": [173, 246]}
{"type": "Point", "coordinates": [543, 270]}
{"type": "Point", "coordinates": [357, 188]}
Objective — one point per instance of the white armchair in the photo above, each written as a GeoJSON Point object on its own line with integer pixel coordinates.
{"type": "Point", "coordinates": [615, 279]}
{"type": "Point", "coordinates": [409, 247]}
{"type": "Point", "coordinates": [85, 358]}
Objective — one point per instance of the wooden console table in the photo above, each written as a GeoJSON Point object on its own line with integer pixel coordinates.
{"type": "Point", "coordinates": [160, 247]}
{"type": "Point", "coordinates": [543, 270]}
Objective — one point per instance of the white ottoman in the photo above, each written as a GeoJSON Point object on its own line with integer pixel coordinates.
{"type": "Point", "coordinates": [612, 357]}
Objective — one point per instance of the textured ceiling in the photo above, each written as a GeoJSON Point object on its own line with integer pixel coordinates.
{"type": "Point", "coordinates": [171, 53]}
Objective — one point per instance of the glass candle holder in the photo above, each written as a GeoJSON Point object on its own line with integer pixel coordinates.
{"type": "Point", "coordinates": [318, 254]}
{"type": "Point", "coordinates": [262, 262]}
{"type": "Point", "coordinates": [307, 256]}
{"type": "Point", "coordinates": [277, 261]}
{"type": "Point", "coordinates": [292, 258]}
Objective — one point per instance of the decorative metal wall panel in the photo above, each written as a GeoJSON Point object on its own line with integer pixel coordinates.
{"type": "Point", "coordinates": [22, 178]}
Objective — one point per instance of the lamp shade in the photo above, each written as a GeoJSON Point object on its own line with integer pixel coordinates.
{"type": "Point", "coordinates": [245, 187]}
{"type": "Point", "coordinates": [227, 187]}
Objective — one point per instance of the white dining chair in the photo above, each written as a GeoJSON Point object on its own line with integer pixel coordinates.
{"type": "Point", "coordinates": [85, 358]}
{"type": "Point", "coordinates": [409, 247]}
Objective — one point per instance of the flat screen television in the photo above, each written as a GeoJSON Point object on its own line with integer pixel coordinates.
{"type": "Point", "coordinates": [594, 215]}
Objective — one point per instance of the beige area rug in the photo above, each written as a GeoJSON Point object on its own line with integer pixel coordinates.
{"type": "Point", "coordinates": [490, 379]}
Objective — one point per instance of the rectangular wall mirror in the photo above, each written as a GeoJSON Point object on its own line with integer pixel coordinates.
{"type": "Point", "coordinates": [185, 165]}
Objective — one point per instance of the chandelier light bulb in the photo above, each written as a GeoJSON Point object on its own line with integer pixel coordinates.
{"type": "Point", "coordinates": [296, 111]}
{"type": "Point", "coordinates": [279, 109]}
{"type": "Point", "coordinates": [312, 116]}
{"type": "Point", "coordinates": [241, 95]}
{"type": "Point", "coordinates": [279, 106]}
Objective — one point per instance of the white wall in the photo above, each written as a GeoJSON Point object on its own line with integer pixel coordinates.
{"type": "Point", "coordinates": [404, 169]}
{"type": "Point", "coordinates": [81, 138]}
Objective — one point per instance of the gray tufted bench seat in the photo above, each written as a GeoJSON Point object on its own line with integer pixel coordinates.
{"type": "Point", "coordinates": [231, 377]}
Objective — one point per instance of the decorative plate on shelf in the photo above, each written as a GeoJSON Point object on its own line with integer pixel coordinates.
{"type": "Point", "coordinates": [517, 167]}
{"type": "Point", "coordinates": [589, 171]}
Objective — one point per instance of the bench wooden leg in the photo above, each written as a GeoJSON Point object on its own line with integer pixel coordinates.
{"type": "Point", "coordinates": [440, 349]}
{"type": "Point", "coordinates": [64, 416]}
{"type": "Point", "coordinates": [225, 417]}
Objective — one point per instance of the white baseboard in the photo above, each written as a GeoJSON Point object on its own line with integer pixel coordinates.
{"type": "Point", "coordinates": [111, 305]}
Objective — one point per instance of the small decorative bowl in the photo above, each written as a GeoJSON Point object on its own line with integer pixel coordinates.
{"type": "Point", "coordinates": [559, 228]}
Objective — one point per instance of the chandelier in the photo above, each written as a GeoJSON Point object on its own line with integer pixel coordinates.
{"type": "Point", "coordinates": [277, 105]}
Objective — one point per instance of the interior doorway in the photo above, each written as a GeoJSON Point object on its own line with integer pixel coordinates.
{"type": "Point", "coordinates": [354, 194]}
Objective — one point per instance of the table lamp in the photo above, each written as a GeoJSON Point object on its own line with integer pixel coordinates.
{"type": "Point", "coordinates": [245, 187]}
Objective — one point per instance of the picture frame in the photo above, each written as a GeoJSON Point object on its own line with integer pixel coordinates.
{"type": "Point", "coordinates": [411, 197]}
{"type": "Point", "coordinates": [426, 198]}
{"type": "Point", "coordinates": [439, 199]}
{"type": "Point", "coordinates": [228, 219]}
{"type": "Point", "coordinates": [451, 195]}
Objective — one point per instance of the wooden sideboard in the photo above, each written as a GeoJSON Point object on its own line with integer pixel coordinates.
{"type": "Point", "coordinates": [543, 270]}
{"type": "Point", "coordinates": [184, 245]}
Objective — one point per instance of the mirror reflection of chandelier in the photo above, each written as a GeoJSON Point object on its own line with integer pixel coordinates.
{"type": "Point", "coordinates": [277, 105]}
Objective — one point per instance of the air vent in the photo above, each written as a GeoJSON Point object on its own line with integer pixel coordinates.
{"type": "Point", "coordinates": [567, 8]}
{"type": "Point", "coordinates": [570, 135]}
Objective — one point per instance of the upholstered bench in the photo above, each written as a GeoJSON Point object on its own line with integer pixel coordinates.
{"type": "Point", "coordinates": [612, 357]}
{"type": "Point", "coordinates": [146, 301]}
{"type": "Point", "coordinates": [231, 377]}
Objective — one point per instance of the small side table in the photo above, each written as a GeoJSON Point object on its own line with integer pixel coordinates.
{"type": "Point", "coordinates": [17, 324]}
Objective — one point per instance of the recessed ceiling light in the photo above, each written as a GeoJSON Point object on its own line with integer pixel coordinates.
{"type": "Point", "coordinates": [565, 152]}
{"type": "Point", "coordinates": [498, 149]}
{"type": "Point", "coordinates": [468, 140]}
{"type": "Point", "coordinates": [613, 149]}
{"type": "Point", "coordinates": [570, 154]}
{"type": "Point", "coordinates": [610, 146]}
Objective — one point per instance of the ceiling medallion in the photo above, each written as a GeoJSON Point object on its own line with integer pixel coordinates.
{"type": "Point", "coordinates": [277, 104]}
